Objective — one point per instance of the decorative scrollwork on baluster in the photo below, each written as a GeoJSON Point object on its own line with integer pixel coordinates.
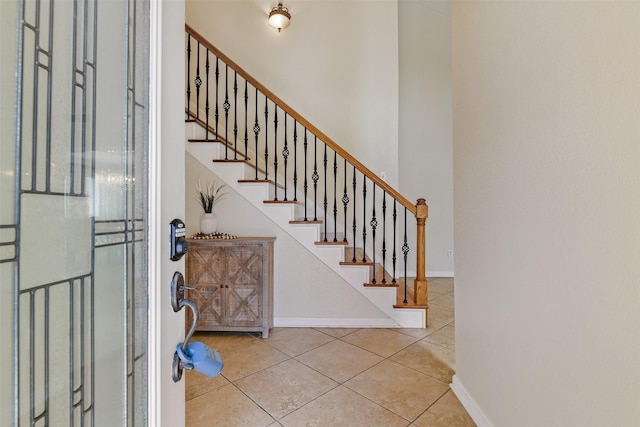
{"type": "Point", "coordinates": [364, 218]}
{"type": "Point", "coordinates": [374, 225]}
{"type": "Point", "coordinates": [198, 82]}
{"type": "Point", "coordinates": [226, 105]}
{"type": "Point", "coordinates": [345, 200]}
{"type": "Point", "coordinates": [305, 183]}
{"type": "Point", "coordinates": [285, 155]}
{"type": "Point", "coordinates": [324, 204]}
{"type": "Point", "coordinates": [405, 251]}
{"type": "Point", "coordinates": [256, 132]}
{"type": "Point", "coordinates": [315, 177]}
{"type": "Point", "coordinates": [235, 115]}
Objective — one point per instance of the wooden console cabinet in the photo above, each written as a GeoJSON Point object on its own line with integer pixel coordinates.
{"type": "Point", "coordinates": [233, 281]}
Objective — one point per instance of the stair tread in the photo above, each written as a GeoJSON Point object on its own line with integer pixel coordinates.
{"type": "Point", "coordinates": [204, 140]}
{"type": "Point", "coordinates": [348, 257]}
{"type": "Point", "coordinates": [307, 221]}
{"type": "Point", "coordinates": [281, 202]}
{"type": "Point", "coordinates": [339, 239]}
{"type": "Point", "coordinates": [231, 161]}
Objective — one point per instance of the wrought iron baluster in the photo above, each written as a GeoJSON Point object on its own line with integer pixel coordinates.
{"type": "Point", "coordinates": [266, 138]}
{"type": "Point", "coordinates": [295, 160]}
{"type": "Point", "coordinates": [405, 251]}
{"type": "Point", "coordinates": [275, 153]}
{"type": "Point", "coordinates": [226, 105]}
{"type": "Point", "coordinates": [285, 155]}
{"type": "Point", "coordinates": [217, 115]}
{"type": "Point", "coordinates": [188, 74]}
{"type": "Point", "coordinates": [335, 195]}
{"type": "Point", "coordinates": [305, 174]}
{"type": "Point", "coordinates": [345, 200]}
{"type": "Point", "coordinates": [246, 119]}
{"type": "Point", "coordinates": [374, 225]}
{"type": "Point", "coordinates": [198, 82]}
{"type": "Point", "coordinates": [235, 115]}
{"type": "Point", "coordinates": [256, 132]}
{"type": "Point", "coordinates": [355, 226]}
{"type": "Point", "coordinates": [324, 162]}
{"type": "Point", "coordinates": [393, 256]}
{"type": "Point", "coordinates": [364, 218]}
{"type": "Point", "coordinates": [315, 177]}
{"type": "Point", "coordinates": [384, 236]}
{"type": "Point", "coordinates": [206, 89]}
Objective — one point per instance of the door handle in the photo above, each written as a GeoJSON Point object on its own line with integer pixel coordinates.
{"type": "Point", "coordinates": [177, 302]}
{"type": "Point", "coordinates": [195, 355]}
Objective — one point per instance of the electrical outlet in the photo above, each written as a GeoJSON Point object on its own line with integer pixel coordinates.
{"type": "Point", "coordinates": [383, 175]}
{"type": "Point", "coordinates": [450, 252]}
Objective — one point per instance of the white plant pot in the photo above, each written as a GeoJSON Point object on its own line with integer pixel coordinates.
{"type": "Point", "coordinates": [208, 223]}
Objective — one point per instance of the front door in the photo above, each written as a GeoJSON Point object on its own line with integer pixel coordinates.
{"type": "Point", "coordinates": [79, 236]}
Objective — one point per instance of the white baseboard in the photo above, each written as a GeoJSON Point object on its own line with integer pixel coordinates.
{"type": "Point", "coordinates": [439, 273]}
{"type": "Point", "coordinates": [313, 322]}
{"type": "Point", "coordinates": [469, 404]}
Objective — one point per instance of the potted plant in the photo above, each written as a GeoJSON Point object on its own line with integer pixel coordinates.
{"type": "Point", "coordinates": [208, 196]}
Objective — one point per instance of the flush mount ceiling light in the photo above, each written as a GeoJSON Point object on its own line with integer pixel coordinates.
{"type": "Point", "coordinates": [279, 17]}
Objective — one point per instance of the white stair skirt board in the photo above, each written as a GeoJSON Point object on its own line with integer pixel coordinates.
{"type": "Point", "coordinates": [281, 214]}
{"type": "Point", "coordinates": [476, 414]}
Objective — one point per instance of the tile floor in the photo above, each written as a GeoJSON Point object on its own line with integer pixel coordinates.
{"type": "Point", "coordinates": [334, 377]}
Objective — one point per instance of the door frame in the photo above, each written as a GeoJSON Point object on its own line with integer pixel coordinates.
{"type": "Point", "coordinates": [166, 201]}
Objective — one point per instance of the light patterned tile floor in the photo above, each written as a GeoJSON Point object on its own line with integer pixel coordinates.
{"type": "Point", "coordinates": [334, 377]}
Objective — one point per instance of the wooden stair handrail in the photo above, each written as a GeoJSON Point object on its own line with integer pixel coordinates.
{"type": "Point", "coordinates": [304, 122]}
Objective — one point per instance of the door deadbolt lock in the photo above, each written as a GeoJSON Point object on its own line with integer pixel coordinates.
{"type": "Point", "coordinates": [179, 245]}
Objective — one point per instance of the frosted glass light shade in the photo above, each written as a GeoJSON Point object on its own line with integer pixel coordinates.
{"type": "Point", "coordinates": [279, 17]}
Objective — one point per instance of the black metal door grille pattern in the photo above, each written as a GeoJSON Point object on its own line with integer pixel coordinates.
{"type": "Point", "coordinates": [74, 242]}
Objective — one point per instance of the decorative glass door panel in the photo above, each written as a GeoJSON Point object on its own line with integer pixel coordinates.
{"type": "Point", "coordinates": [73, 213]}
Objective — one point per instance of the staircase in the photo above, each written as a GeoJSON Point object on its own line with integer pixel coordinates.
{"type": "Point", "coordinates": [309, 186]}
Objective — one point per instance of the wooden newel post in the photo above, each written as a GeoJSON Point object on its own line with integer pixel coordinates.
{"type": "Point", "coordinates": [420, 292]}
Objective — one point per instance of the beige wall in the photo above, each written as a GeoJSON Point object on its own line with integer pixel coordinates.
{"type": "Point", "coordinates": [425, 126]}
{"type": "Point", "coordinates": [547, 210]}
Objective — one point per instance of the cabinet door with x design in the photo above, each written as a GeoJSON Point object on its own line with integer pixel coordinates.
{"type": "Point", "coordinates": [232, 283]}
